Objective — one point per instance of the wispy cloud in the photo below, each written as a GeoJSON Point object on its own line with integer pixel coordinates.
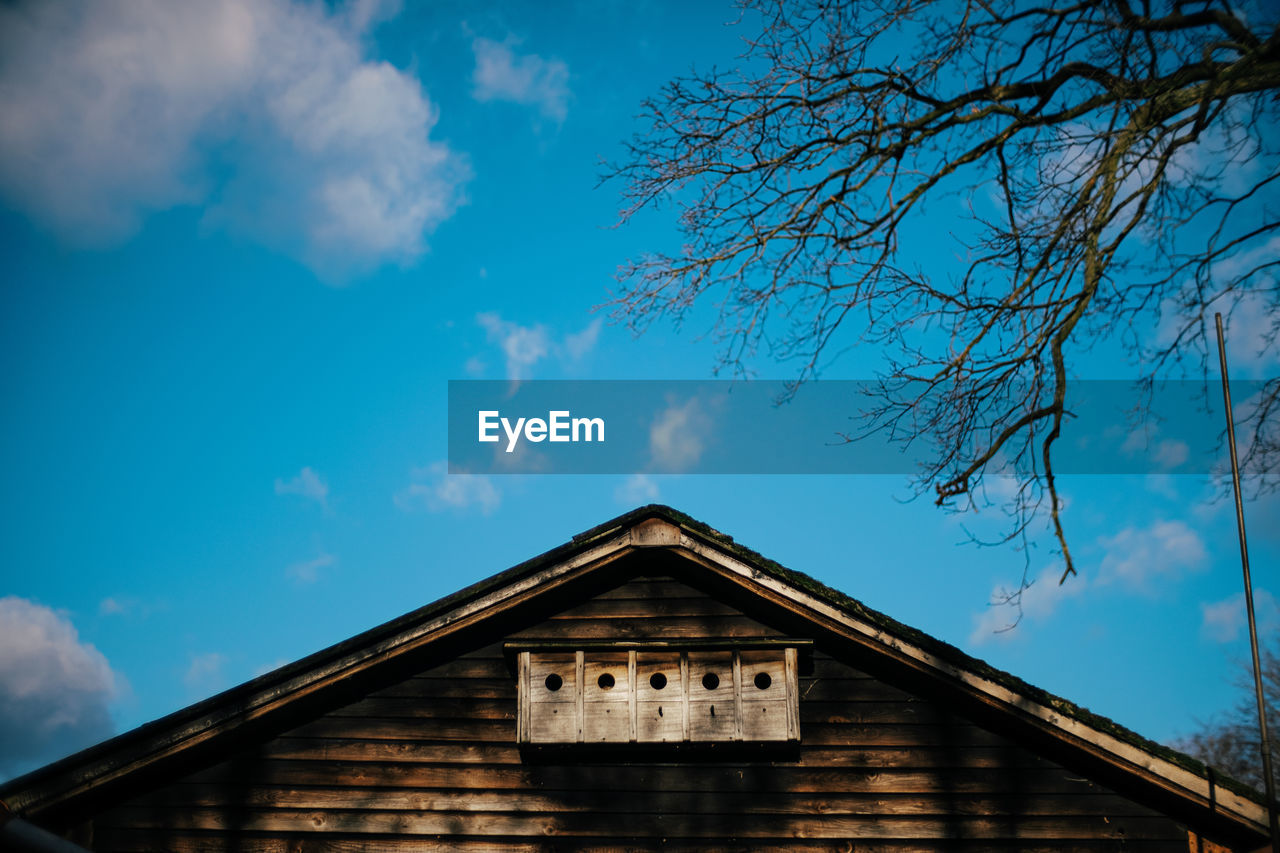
{"type": "Point", "coordinates": [1142, 558]}
{"type": "Point", "coordinates": [56, 687]}
{"type": "Point", "coordinates": [576, 346]}
{"type": "Point", "coordinates": [205, 673]}
{"type": "Point", "coordinates": [1164, 485]}
{"type": "Point", "coordinates": [1038, 603]}
{"type": "Point", "coordinates": [503, 75]}
{"type": "Point", "coordinates": [116, 109]}
{"type": "Point", "coordinates": [308, 571]}
{"type": "Point", "coordinates": [1170, 453]}
{"type": "Point", "coordinates": [1251, 326]}
{"type": "Point", "coordinates": [1249, 312]}
{"type": "Point", "coordinates": [523, 347]}
{"type": "Point", "coordinates": [1164, 454]}
{"type": "Point", "coordinates": [679, 435]}
{"type": "Point", "coordinates": [307, 484]}
{"type": "Point", "coordinates": [128, 606]}
{"type": "Point", "coordinates": [363, 15]}
{"type": "Point", "coordinates": [1222, 621]}
{"type": "Point", "coordinates": [111, 606]}
{"type": "Point", "coordinates": [636, 489]}
{"type": "Point", "coordinates": [434, 489]}
{"type": "Point", "coordinates": [270, 667]}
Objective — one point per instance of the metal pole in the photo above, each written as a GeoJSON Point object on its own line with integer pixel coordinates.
{"type": "Point", "coordinates": [1268, 780]}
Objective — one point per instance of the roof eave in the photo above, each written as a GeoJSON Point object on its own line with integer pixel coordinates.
{"type": "Point", "coordinates": [272, 693]}
{"type": "Point", "coordinates": [645, 527]}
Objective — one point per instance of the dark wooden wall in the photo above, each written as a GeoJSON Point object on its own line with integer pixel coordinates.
{"type": "Point", "coordinates": [431, 763]}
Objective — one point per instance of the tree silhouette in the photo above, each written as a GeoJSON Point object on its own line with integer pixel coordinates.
{"type": "Point", "coordinates": [1115, 162]}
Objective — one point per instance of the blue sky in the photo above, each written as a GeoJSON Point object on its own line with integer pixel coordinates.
{"type": "Point", "coordinates": [246, 245]}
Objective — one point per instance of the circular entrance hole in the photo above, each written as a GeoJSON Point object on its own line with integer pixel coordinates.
{"type": "Point", "coordinates": [554, 682]}
{"type": "Point", "coordinates": [605, 681]}
{"type": "Point", "coordinates": [763, 680]}
{"type": "Point", "coordinates": [657, 681]}
{"type": "Point", "coordinates": [711, 681]}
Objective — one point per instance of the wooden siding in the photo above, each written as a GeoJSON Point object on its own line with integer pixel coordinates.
{"type": "Point", "coordinates": [431, 762]}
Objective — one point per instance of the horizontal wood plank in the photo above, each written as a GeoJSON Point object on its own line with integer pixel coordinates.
{"type": "Point", "coordinates": [663, 628]}
{"type": "Point", "coordinates": [453, 752]}
{"type": "Point", "coordinates": [674, 776]}
{"type": "Point", "coordinates": [500, 684]}
{"type": "Point", "coordinates": [638, 608]}
{"type": "Point", "coordinates": [652, 801]}
{"type": "Point", "coordinates": [430, 823]}
{"type": "Point", "coordinates": [647, 588]}
{"type": "Point", "coordinates": [148, 841]}
{"type": "Point", "coordinates": [834, 733]}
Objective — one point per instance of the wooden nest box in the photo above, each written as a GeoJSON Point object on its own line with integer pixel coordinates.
{"type": "Point", "coordinates": [650, 695]}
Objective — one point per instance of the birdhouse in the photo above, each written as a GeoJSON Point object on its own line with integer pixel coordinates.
{"type": "Point", "coordinates": [651, 695]}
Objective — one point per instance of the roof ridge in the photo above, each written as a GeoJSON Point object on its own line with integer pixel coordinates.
{"type": "Point", "coordinates": [582, 543]}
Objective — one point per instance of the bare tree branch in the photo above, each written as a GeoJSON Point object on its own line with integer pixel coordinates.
{"type": "Point", "coordinates": [1118, 164]}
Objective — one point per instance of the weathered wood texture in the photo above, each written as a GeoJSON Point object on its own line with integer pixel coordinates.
{"type": "Point", "coordinates": [632, 696]}
{"type": "Point", "coordinates": [431, 762]}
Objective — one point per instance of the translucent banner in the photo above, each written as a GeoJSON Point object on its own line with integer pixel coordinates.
{"type": "Point", "coordinates": [825, 427]}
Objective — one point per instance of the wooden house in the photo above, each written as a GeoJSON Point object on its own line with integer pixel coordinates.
{"type": "Point", "coordinates": [649, 685]}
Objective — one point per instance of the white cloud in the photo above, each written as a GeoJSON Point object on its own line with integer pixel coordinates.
{"type": "Point", "coordinates": [1170, 453]}
{"type": "Point", "coordinates": [1140, 558]}
{"type": "Point", "coordinates": [110, 606]}
{"type": "Point", "coordinates": [1039, 602]}
{"type": "Point", "coordinates": [271, 667]}
{"type": "Point", "coordinates": [266, 112]}
{"type": "Point", "coordinates": [678, 436]}
{"type": "Point", "coordinates": [363, 15]}
{"type": "Point", "coordinates": [635, 490]}
{"type": "Point", "coordinates": [1164, 485]}
{"type": "Point", "coordinates": [1249, 312]}
{"type": "Point", "coordinates": [308, 484]}
{"type": "Point", "coordinates": [128, 606]}
{"type": "Point", "coordinates": [1222, 154]}
{"type": "Point", "coordinates": [524, 346]}
{"type": "Point", "coordinates": [1255, 433]}
{"type": "Point", "coordinates": [1164, 454]}
{"type": "Point", "coordinates": [1222, 621]}
{"type": "Point", "coordinates": [444, 491]}
{"type": "Point", "coordinates": [578, 345]}
{"type": "Point", "coordinates": [307, 571]}
{"type": "Point", "coordinates": [1250, 326]}
{"type": "Point", "coordinates": [204, 673]}
{"type": "Point", "coordinates": [524, 459]}
{"type": "Point", "coordinates": [56, 688]}
{"type": "Point", "coordinates": [999, 489]}
{"type": "Point", "coordinates": [501, 75]}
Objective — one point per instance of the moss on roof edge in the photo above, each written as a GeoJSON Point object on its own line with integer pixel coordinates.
{"type": "Point", "coordinates": [235, 696]}
{"type": "Point", "coordinates": [952, 654]}
{"type": "Point", "coordinates": [580, 542]}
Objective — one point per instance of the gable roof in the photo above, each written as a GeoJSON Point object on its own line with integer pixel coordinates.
{"type": "Point", "coordinates": [201, 732]}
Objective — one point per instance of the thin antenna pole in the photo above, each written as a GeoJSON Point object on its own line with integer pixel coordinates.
{"type": "Point", "coordinates": [1268, 780]}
